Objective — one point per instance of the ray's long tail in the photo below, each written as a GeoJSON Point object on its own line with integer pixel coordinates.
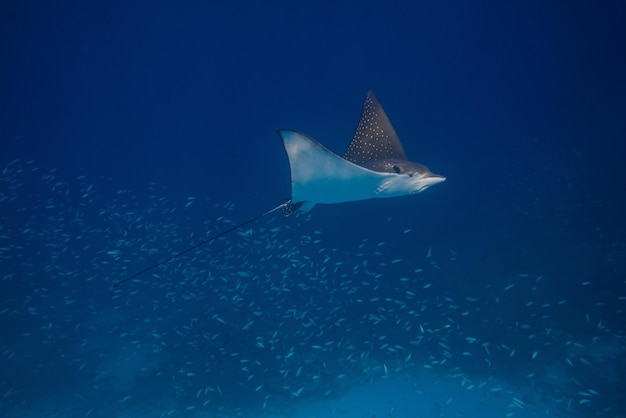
{"type": "Point", "coordinates": [285, 206]}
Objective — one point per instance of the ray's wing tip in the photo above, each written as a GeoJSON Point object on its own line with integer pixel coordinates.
{"type": "Point", "coordinates": [284, 133]}
{"type": "Point", "coordinates": [370, 95]}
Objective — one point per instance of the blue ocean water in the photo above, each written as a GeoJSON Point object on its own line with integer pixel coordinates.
{"type": "Point", "coordinates": [131, 132]}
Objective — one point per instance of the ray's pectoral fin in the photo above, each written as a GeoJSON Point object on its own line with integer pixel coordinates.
{"type": "Point", "coordinates": [320, 176]}
{"type": "Point", "coordinates": [375, 138]}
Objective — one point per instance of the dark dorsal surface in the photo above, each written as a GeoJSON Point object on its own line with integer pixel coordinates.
{"type": "Point", "coordinates": [375, 138]}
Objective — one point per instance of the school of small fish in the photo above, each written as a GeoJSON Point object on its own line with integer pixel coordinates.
{"type": "Point", "coordinates": [264, 318]}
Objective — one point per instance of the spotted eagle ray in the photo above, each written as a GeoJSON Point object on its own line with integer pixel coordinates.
{"type": "Point", "coordinates": [374, 166]}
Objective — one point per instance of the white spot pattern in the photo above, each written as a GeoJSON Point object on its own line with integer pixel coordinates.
{"type": "Point", "coordinates": [375, 138]}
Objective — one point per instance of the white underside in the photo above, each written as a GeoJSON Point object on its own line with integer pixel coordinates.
{"type": "Point", "coordinates": [320, 176]}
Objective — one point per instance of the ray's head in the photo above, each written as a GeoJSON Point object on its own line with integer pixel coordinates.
{"type": "Point", "coordinates": [412, 177]}
{"type": "Point", "coordinates": [376, 146]}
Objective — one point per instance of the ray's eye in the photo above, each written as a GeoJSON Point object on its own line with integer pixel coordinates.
{"type": "Point", "coordinates": [397, 169]}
